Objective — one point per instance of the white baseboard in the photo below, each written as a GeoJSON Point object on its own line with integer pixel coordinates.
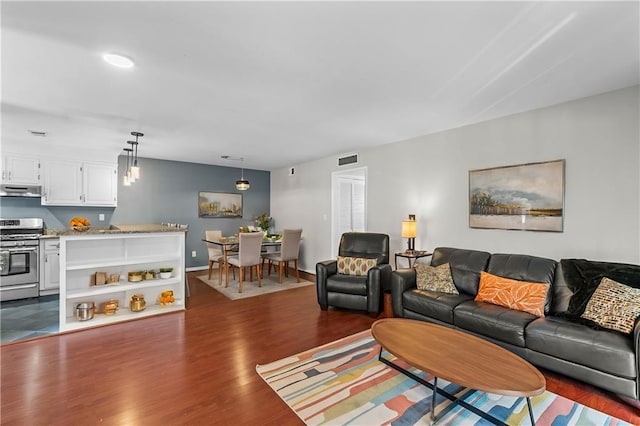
{"type": "Point", "coordinates": [197, 268]}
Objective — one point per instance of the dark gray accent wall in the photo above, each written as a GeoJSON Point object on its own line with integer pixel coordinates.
{"type": "Point", "coordinates": [166, 192]}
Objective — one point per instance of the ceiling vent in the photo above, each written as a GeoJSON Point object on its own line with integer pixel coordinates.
{"type": "Point", "coordinates": [38, 133]}
{"type": "Point", "coordinates": [347, 159]}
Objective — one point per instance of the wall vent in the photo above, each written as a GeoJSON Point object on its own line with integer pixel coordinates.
{"type": "Point", "coordinates": [347, 159]}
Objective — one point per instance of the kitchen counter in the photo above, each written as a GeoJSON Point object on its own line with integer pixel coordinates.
{"type": "Point", "coordinates": [114, 229]}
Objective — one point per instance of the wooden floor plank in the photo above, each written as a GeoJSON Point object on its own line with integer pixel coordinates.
{"type": "Point", "coordinates": [194, 367]}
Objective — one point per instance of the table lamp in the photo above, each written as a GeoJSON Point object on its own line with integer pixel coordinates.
{"type": "Point", "coordinates": [409, 231]}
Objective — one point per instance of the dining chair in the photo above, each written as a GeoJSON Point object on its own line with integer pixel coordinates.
{"type": "Point", "coordinates": [215, 253]}
{"type": "Point", "coordinates": [249, 246]}
{"type": "Point", "coordinates": [289, 250]}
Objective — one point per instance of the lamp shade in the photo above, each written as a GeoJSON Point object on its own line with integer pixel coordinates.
{"type": "Point", "coordinates": [242, 184]}
{"type": "Point", "coordinates": [409, 229]}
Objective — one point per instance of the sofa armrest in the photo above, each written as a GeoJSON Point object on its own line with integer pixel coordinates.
{"type": "Point", "coordinates": [324, 269]}
{"type": "Point", "coordinates": [401, 281]}
{"type": "Point", "coordinates": [636, 345]}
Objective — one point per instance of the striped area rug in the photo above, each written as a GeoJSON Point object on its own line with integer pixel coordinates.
{"type": "Point", "coordinates": [344, 383]}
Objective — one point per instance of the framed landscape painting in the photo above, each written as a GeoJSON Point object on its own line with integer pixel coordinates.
{"type": "Point", "coordinates": [219, 204]}
{"type": "Point", "coordinates": [526, 197]}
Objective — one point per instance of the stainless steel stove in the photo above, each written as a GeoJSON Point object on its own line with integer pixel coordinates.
{"type": "Point", "coordinates": [19, 258]}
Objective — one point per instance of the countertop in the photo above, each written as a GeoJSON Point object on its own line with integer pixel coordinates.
{"type": "Point", "coordinates": [113, 229]}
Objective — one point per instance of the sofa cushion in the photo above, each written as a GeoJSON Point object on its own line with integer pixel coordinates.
{"type": "Point", "coordinates": [513, 294]}
{"type": "Point", "coordinates": [465, 266]}
{"type": "Point", "coordinates": [435, 278]}
{"type": "Point", "coordinates": [602, 350]}
{"type": "Point", "coordinates": [523, 267]}
{"type": "Point", "coordinates": [433, 304]}
{"type": "Point", "coordinates": [614, 306]}
{"type": "Point", "coordinates": [504, 324]}
{"type": "Point", "coordinates": [583, 277]}
{"type": "Point", "coordinates": [349, 284]}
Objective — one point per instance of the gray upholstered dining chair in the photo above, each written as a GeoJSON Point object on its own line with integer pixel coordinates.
{"type": "Point", "coordinates": [249, 247]}
{"type": "Point", "coordinates": [289, 250]}
{"type": "Point", "coordinates": [215, 253]}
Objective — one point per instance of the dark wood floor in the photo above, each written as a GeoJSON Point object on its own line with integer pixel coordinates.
{"type": "Point", "coordinates": [196, 367]}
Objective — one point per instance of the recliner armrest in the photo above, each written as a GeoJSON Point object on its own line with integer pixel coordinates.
{"type": "Point", "coordinates": [323, 270]}
{"type": "Point", "coordinates": [401, 281]}
{"type": "Point", "coordinates": [328, 266]}
{"type": "Point", "coordinates": [378, 281]}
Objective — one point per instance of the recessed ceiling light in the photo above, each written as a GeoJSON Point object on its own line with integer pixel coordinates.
{"type": "Point", "coordinates": [117, 60]}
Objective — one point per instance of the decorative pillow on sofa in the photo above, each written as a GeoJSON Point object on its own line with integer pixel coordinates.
{"type": "Point", "coordinates": [513, 294]}
{"type": "Point", "coordinates": [614, 306]}
{"type": "Point", "coordinates": [355, 265]}
{"type": "Point", "coordinates": [435, 278]}
{"type": "Point", "coordinates": [584, 276]}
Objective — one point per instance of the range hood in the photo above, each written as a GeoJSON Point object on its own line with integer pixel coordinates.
{"type": "Point", "coordinates": [8, 190]}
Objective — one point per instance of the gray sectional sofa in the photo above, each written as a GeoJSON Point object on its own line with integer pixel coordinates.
{"type": "Point", "coordinates": [557, 341]}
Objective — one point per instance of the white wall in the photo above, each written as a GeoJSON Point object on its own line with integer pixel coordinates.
{"type": "Point", "coordinates": [598, 136]}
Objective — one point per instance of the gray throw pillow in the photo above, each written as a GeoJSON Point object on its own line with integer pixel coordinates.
{"type": "Point", "coordinates": [435, 278]}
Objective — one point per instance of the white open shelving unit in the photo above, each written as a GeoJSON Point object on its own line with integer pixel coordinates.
{"type": "Point", "coordinates": [81, 256]}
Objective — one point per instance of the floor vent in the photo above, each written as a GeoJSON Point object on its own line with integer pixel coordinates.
{"type": "Point", "coordinates": [347, 159]}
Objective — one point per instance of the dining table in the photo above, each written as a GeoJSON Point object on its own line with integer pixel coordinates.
{"type": "Point", "coordinates": [230, 244]}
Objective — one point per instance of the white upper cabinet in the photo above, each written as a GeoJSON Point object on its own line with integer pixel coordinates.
{"type": "Point", "coordinates": [76, 183]}
{"type": "Point", "coordinates": [62, 183]}
{"type": "Point", "coordinates": [20, 170]}
{"type": "Point", "coordinates": [100, 184]}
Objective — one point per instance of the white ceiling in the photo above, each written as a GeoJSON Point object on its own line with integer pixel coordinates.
{"type": "Point", "coordinates": [280, 83]}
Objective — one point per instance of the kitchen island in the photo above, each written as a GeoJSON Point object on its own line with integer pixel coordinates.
{"type": "Point", "coordinates": [107, 265]}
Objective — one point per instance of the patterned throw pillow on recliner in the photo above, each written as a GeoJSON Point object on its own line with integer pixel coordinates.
{"type": "Point", "coordinates": [355, 265]}
{"type": "Point", "coordinates": [435, 278]}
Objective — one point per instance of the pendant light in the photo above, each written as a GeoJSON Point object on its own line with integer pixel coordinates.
{"type": "Point", "coordinates": [242, 184]}
{"type": "Point", "coordinates": [127, 173]}
{"type": "Point", "coordinates": [135, 169]}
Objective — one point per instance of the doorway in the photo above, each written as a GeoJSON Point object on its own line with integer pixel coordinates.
{"type": "Point", "coordinates": [349, 204]}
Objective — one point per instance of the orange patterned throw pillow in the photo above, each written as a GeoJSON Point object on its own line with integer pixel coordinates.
{"type": "Point", "coordinates": [513, 294]}
{"type": "Point", "coordinates": [355, 265]}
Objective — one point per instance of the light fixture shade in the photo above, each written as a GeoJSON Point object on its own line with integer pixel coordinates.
{"type": "Point", "coordinates": [409, 229]}
{"type": "Point", "coordinates": [135, 172]}
{"type": "Point", "coordinates": [116, 60]}
{"type": "Point", "coordinates": [242, 184]}
{"type": "Point", "coordinates": [126, 181]}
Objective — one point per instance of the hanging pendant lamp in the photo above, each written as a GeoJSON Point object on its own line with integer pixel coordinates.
{"type": "Point", "coordinates": [127, 173]}
{"type": "Point", "coordinates": [135, 169]}
{"type": "Point", "coordinates": [242, 184]}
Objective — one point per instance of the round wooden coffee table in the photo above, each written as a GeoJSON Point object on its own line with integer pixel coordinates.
{"type": "Point", "coordinates": [458, 358]}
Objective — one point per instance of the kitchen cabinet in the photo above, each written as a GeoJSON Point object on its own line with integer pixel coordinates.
{"type": "Point", "coordinates": [75, 183]}
{"type": "Point", "coordinates": [20, 170]}
{"type": "Point", "coordinates": [100, 184]}
{"type": "Point", "coordinates": [62, 183]}
{"type": "Point", "coordinates": [49, 266]}
{"type": "Point", "coordinates": [83, 255]}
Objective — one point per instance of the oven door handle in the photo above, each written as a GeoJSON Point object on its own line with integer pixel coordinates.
{"type": "Point", "coordinates": [21, 249]}
{"type": "Point", "coordinates": [17, 287]}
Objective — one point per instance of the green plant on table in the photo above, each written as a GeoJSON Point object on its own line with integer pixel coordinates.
{"type": "Point", "coordinates": [263, 221]}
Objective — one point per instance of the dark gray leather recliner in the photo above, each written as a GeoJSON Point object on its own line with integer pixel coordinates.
{"type": "Point", "coordinates": [356, 292]}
